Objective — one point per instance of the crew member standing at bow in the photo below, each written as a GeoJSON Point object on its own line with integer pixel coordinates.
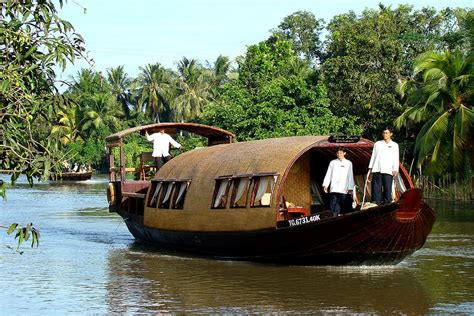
{"type": "Point", "coordinates": [384, 166]}
{"type": "Point", "coordinates": [161, 146]}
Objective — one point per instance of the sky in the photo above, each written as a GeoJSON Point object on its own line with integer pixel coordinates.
{"type": "Point", "coordinates": [139, 32]}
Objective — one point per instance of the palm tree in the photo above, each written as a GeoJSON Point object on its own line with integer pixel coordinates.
{"type": "Point", "coordinates": [92, 109]}
{"type": "Point", "coordinates": [120, 84]}
{"type": "Point", "coordinates": [218, 74]}
{"type": "Point", "coordinates": [192, 90]}
{"type": "Point", "coordinates": [87, 82]}
{"type": "Point", "coordinates": [102, 112]}
{"type": "Point", "coordinates": [68, 126]}
{"type": "Point", "coordinates": [153, 88]}
{"type": "Point", "coordinates": [442, 101]}
{"type": "Point", "coordinates": [220, 70]}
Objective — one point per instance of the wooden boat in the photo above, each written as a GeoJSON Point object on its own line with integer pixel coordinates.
{"type": "Point", "coordinates": [72, 176]}
{"type": "Point", "coordinates": [72, 172]}
{"type": "Point", "coordinates": [262, 201]}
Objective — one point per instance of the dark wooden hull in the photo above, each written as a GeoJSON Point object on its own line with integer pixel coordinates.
{"type": "Point", "coordinates": [73, 176]}
{"type": "Point", "coordinates": [379, 236]}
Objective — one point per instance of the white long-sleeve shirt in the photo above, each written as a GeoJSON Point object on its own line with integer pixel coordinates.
{"type": "Point", "coordinates": [161, 144]}
{"type": "Point", "coordinates": [340, 176]}
{"type": "Point", "coordinates": [385, 157]}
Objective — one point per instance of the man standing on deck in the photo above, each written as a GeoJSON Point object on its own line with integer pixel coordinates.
{"type": "Point", "coordinates": [341, 179]}
{"type": "Point", "coordinates": [161, 146]}
{"type": "Point", "coordinates": [384, 166]}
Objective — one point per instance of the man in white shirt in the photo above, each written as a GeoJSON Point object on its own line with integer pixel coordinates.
{"type": "Point", "coordinates": [340, 180]}
{"type": "Point", "coordinates": [161, 146]}
{"type": "Point", "coordinates": [383, 167]}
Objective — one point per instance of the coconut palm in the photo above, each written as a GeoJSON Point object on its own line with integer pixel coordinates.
{"type": "Point", "coordinates": [218, 74]}
{"type": "Point", "coordinates": [92, 108]}
{"type": "Point", "coordinates": [153, 88]}
{"type": "Point", "coordinates": [220, 70]}
{"type": "Point", "coordinates": [442, 101]}
{"type": "Point", "coordinates": [120, 84]}
{"type": "Point", "coordinates": [68, 126]}
{"type": "Point", "coordinates": [102, 112]}
{"type": "Point", "coordinates": [192, 90]}
{"type": "Point", "coordinates": [87, 82]}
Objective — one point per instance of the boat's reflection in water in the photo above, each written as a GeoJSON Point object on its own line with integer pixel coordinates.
{"type": "Point", "coordinates": [142, 280]}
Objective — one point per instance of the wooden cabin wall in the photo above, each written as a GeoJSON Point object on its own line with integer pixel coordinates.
{"type": "Point", "coordinates": [297, 189]}
{"type": "Point", "coordinates": [211, 220]}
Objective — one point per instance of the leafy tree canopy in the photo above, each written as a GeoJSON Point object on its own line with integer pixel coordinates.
{"type": "Point", "coordinates": [303, 31]}
{"type": "Point", "coordinates": [368, 54]}
{"type": "Point", "coordinates": [33, 40]}
{"type": "Point", "coordinates": [274, 96]}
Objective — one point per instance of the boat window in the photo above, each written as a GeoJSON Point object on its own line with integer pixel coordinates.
{"type": "Point", "coordinates": [155, 191]}
{"type": "Point", "coordinates": [164, 200]}
{"type": "Point", "coordinates": [240, 190]}
{"type": "Point", "coordinates": [181, 188]}
{"type": "Point", "coordinates": [220, 193]}
{"type": "Point", "coordinates": [262, 190]}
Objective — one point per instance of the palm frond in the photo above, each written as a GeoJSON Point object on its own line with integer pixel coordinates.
{"type": "Point", "coordinates": [464, 122]}
{"type": "Point", "coordinates": [431, 133]}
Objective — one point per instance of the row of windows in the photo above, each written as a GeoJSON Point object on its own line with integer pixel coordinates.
{"type": "Point", "coordinates": [166, 194]}
{"type": "Point", "coordinates": [241, 189]}
{"type": "Point", "coordinates": [237, 191]}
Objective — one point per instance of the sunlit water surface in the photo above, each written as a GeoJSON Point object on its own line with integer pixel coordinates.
{"type": "Point", "coordinates": [88, 263]}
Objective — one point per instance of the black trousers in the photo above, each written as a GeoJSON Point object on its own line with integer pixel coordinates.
{"type": "Point", "coordinates": [160, 161]}
{"type": "Point", "coordinates": [381, 188]}
{"type": "Point", "coordinates": [340, 203]}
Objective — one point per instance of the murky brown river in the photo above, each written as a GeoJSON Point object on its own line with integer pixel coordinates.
{"type": "Point", "coordinates": [88, 263]}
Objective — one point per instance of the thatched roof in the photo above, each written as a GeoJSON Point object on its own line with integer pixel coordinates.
{"type": "Point", "coordinates": [203, 165]}
{"type": "Point", "coordinates": [267, 155]}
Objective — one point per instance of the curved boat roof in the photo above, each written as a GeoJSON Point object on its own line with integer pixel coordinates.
{"type": "Point", "coordinates": [267, 155]}
{"type": "Point", "coordinates": [212, 133]}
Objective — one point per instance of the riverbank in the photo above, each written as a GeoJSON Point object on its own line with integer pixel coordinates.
{"type": "Point", "coordinates": [445, 188]}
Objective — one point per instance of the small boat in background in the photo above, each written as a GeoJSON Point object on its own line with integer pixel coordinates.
{"type": "Point", "coordinates": [73, 176]}
{"type": "Point", "coordinates": [74, 172]}
{"type": "Point", "coordinates": [262, 201]}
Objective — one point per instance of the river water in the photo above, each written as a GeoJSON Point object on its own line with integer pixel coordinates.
{"type": "Point", "coordinates": [88, 263]}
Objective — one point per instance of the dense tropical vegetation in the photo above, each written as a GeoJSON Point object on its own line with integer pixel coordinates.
{"type": "Point", "coordinates": [441, 100]}
{"type": "Point", "coordinates": [34, 40]}
{"type": "Point", "coordinates": [412, 68]}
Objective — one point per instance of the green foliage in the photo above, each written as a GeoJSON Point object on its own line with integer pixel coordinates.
{"type": "Point", "coordinates": [91, 152]}
{"type": "Point", "coordinates": [133, 147]}
{"type": "Point", "coordinates": [93, 115]}
{"type": "Point", "coordinates": [3, 190]}
{"type": "Point", "coordinates": [441, 100]}
{"type": "Point", "coordinates": [121, 84]}
{"type": "Point", "coordinates": [34, 40]}
{"type": "Point", "coordinates": [275, 96]}
{"type": "Point", "coordinates": [154, 90]}
{"type": "Point", "coordinates": [191, 141]}
{"type": "Point", "coordinates": [303, 31]}
{"type": "Point", "coordinates": [276, 90]}
{"type": "Point", "coordinates": [368, 54]}
{"type": "Point", "coordinates": [24, 233]}
{"type": "Point", "coordinates": [218, 74]}
{"type": "Point", "coordinates": [193, 90]}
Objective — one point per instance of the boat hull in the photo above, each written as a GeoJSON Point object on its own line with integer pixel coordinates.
{"type": "Point", "coordinates": [73, 176]}
{"type": "Point", "coordinates": [372, 237]}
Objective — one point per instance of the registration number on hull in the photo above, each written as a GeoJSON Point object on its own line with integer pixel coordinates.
{"type": "Point", "coordinates": [304, 220]}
